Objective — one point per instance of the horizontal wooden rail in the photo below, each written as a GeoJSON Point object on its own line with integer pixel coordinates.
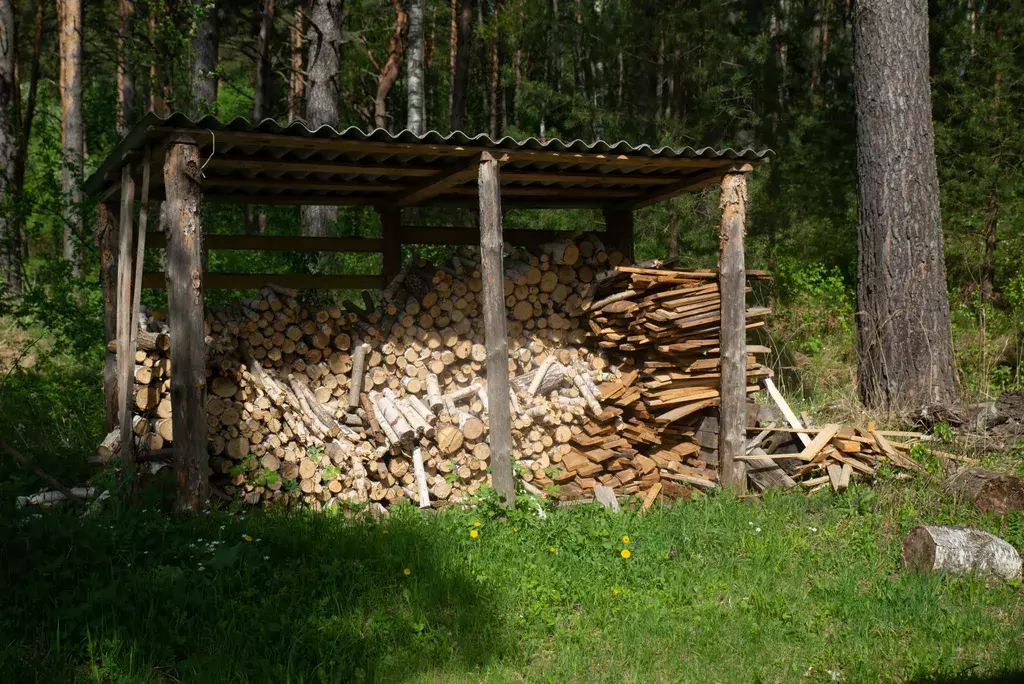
{"type": "Point", "coordinates": [254, 281]}
{"type": "Point", "coordinates": [444, 235]}
{"type": "Point", "coordinates": [277, 243]}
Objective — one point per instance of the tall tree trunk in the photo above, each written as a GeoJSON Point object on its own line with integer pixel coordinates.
{"type": "Point", "coordinates": [495, 101]}
{"type": "Point", "coordinates": [389, 74]}
{"type": "Point", "coordinates": [264, 67]}
{"type": "Point", "coordinates": [158, 92]}
{"type": "Point", "coordinates": [204, 59]}
{"type": "Point", "coordinates": [72, 128]}
{"type": "Point", "coordinates": [461, 80]}
{"type": "Point", "coordinates": [256, 222]}
{"type": "Point", "coordinates": [10, 239]}
{"type": "Point", "coordinates": [905, 352]}
{"type": "Point", "coordinates": [296, 82]}
{"type": "Point", "coordinates": [414, 72]}
{"type": "Point", "coordinates": [453, 49]}
{"type": "Point", "coordinates": [125, 78]}
{"type": "Point", "coordinates": [322, 101]}
{"type": "Point", "coordinates": [988, 266]}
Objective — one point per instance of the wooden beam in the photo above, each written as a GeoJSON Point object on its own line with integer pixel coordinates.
{"type": "Point", "coordinates": [277, 243]}
{"type": "Point", "coordinates": [272, 165]}
{"type": "Point", "coordinates": [255, 281]}
{"type": "Point", "coordinates": [107, 219]}
{"type": "Point", "coordinates": [182, 218]}
{"type": "Point", "coordinates": [125, 356]}
{"type": "Point", "coordinates": [495, 332]}
{"type": "Point", "coordinates": [391, 232]}
{"type": "Point", "coordinates": [604, 194]}
{"type": "Point", "coordinates": [695, 182]}
{"type": "Point", "coordinates": [437, 184]}
{"type": "Point", "coordinates": [267, 183]}
{"type": "Point", "coordinates": [450, 235]}
{"type": "Point", "coordinates": [732, 286]}
{"type": "Point", "coordinates": [619, 228]}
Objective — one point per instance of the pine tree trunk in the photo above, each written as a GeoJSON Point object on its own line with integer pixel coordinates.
{"type": "Point", "coordinates": [256, 222]}
{"type": "Point", "coordinates": [125, 78]}
{"type": "Point", "coordinates": [414, 72]}
{"type": "Point", "coordinates": [988, 267]}
{"type": "Point", "coordinates": [322, 100]}
{"type": "Point", "coordinates": [905, 355]}
{"type": "Point", "coordinates": [296, 87]}
{"type": "Point", "coordinates": [461, 80]}
{"type": "Point", "coordinates": [204, 60]}
{"type": "Point", "coordinates": [495, 74]}
{"type": "Point", "coordinates": [158, 93]}
{"type": "Point", "coordinates": [264, 72]}
{"type": "Point", "coordinates": [389, 74]}
{"type": "Point", "coordinates": [72, 129]}
{"type": "Point", "coordinates": [10, 240]}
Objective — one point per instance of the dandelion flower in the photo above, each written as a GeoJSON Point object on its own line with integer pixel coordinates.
{"type": "Point", "coordinates": [474, 534]}
{"type": "Point", "coordinates": [406, 572]}
{"type": "Point", "coordinates": [625, 553]}
{"type": "Point", "coordinates": [625, 539]}
{"type": "Point", "coordinates": [551, 549]}
{"type": "Point", "coordinates": [616, 591]}
{"type": "Point", "coordinates": [246, 537]}
{"type": "Point", "coordinates": [476, 524]}
{"type": "Point", "coordinates": [515, 529]}
{"type": "Point", "coordinates": [383, 531]}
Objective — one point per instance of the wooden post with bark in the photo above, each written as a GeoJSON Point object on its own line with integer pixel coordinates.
{"type": "Point", "coordinates": [125, 354]}
{"type": "Point", "coordinates": [732, 286]}
{"type": "Point", "coordinates": [495, 333]}
{"type": "Point", "coordinates": [107, 230]}
{"type": "Point", "coordinates": [182, 219]}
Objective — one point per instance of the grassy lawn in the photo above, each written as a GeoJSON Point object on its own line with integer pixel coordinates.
{"type": "Point", "coordinates": [721, 590]}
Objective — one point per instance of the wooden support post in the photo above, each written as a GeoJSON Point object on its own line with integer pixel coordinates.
{"type": "Point", "coordinates": [127, 438]}
{"type": "Point", "coordinates": [107, 230]}
{"type": "Point", "coordinates": [495, 333]}
{"type": "Point", "coordinates": [391, 232]}
{"type": "Point", "coordinates": [732, 283]}
{"type": "Point", "coordinates": [619, 226]}
{"type": "Point", "coordinates": [182, 219]}
{"type": "Point", "coordinates": [125, 356]}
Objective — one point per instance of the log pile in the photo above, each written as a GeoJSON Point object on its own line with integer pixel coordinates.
{"type": "Point", "coordinates": [386, 399]}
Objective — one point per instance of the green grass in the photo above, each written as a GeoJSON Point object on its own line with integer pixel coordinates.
{"type": "Point", "coordinates": [720, 590]}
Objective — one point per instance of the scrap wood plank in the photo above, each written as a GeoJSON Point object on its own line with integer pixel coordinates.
{"type": "Point", "coordinates": [652, 494]}
{"type": "Point", "coordinates": [819, 442]}
{"type": "Point", "coordinates": [787, 412]}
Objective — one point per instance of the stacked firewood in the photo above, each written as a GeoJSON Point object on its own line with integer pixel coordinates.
{"type": "Point", "coordinates": [386, 400]}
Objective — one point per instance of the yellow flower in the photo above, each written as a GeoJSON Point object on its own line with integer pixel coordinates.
{"type": "Point", "coordinates": [616, 591]}
{"type": "Point", "coordinates": [625, 540]}
{"type": "Point", "coordinates": [246, 537]}
{"type": "Point", "coordinates": [551, 549]}
{"type": "Point", "coordinates": [515, 529]}
{"type": "Point", "coordinates": [625, 553]}
{"type": "Point", "coordinates": [383, 531]}
{"type": "Point", "coordinates": [407, 572]}
{"type": "Point", "coordinates": [476, 524]}
{"type": "Point", "coordinates": [474, 534]}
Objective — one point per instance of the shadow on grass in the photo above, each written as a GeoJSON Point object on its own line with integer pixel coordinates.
{"type": "Point", "coordinates": [139, 597]}
{"type": "Point", "coordinates": [1005, 677]}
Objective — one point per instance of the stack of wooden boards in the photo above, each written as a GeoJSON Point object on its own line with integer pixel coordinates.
{"type": "Point", "coordinates": [660, 330]}
{"type": "Point", "coordinates": [830, 456]}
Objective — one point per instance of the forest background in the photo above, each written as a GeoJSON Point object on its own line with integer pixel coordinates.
{"type": "Point", "coordinates": [775, 74]}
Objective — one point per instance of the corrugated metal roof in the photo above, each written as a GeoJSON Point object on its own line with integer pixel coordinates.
{"type": "Point", "coordinates": [294, 163]}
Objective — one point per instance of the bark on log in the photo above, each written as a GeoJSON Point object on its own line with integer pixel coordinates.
{"type": "Point", "coordinates": [732, 284]}
{"type": "Point", "coordinates": [355, 386]}
{"type": "Point", "coordinates": [959, 551]}
{"type": "Point", "coordinates": [989, 491]}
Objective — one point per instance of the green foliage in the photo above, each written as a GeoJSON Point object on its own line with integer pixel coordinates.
{"type": "Point", "coordinates": [750, 587]}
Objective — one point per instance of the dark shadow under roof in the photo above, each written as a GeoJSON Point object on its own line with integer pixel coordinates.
{"type": "Point", "coordinates": [268, 163]}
